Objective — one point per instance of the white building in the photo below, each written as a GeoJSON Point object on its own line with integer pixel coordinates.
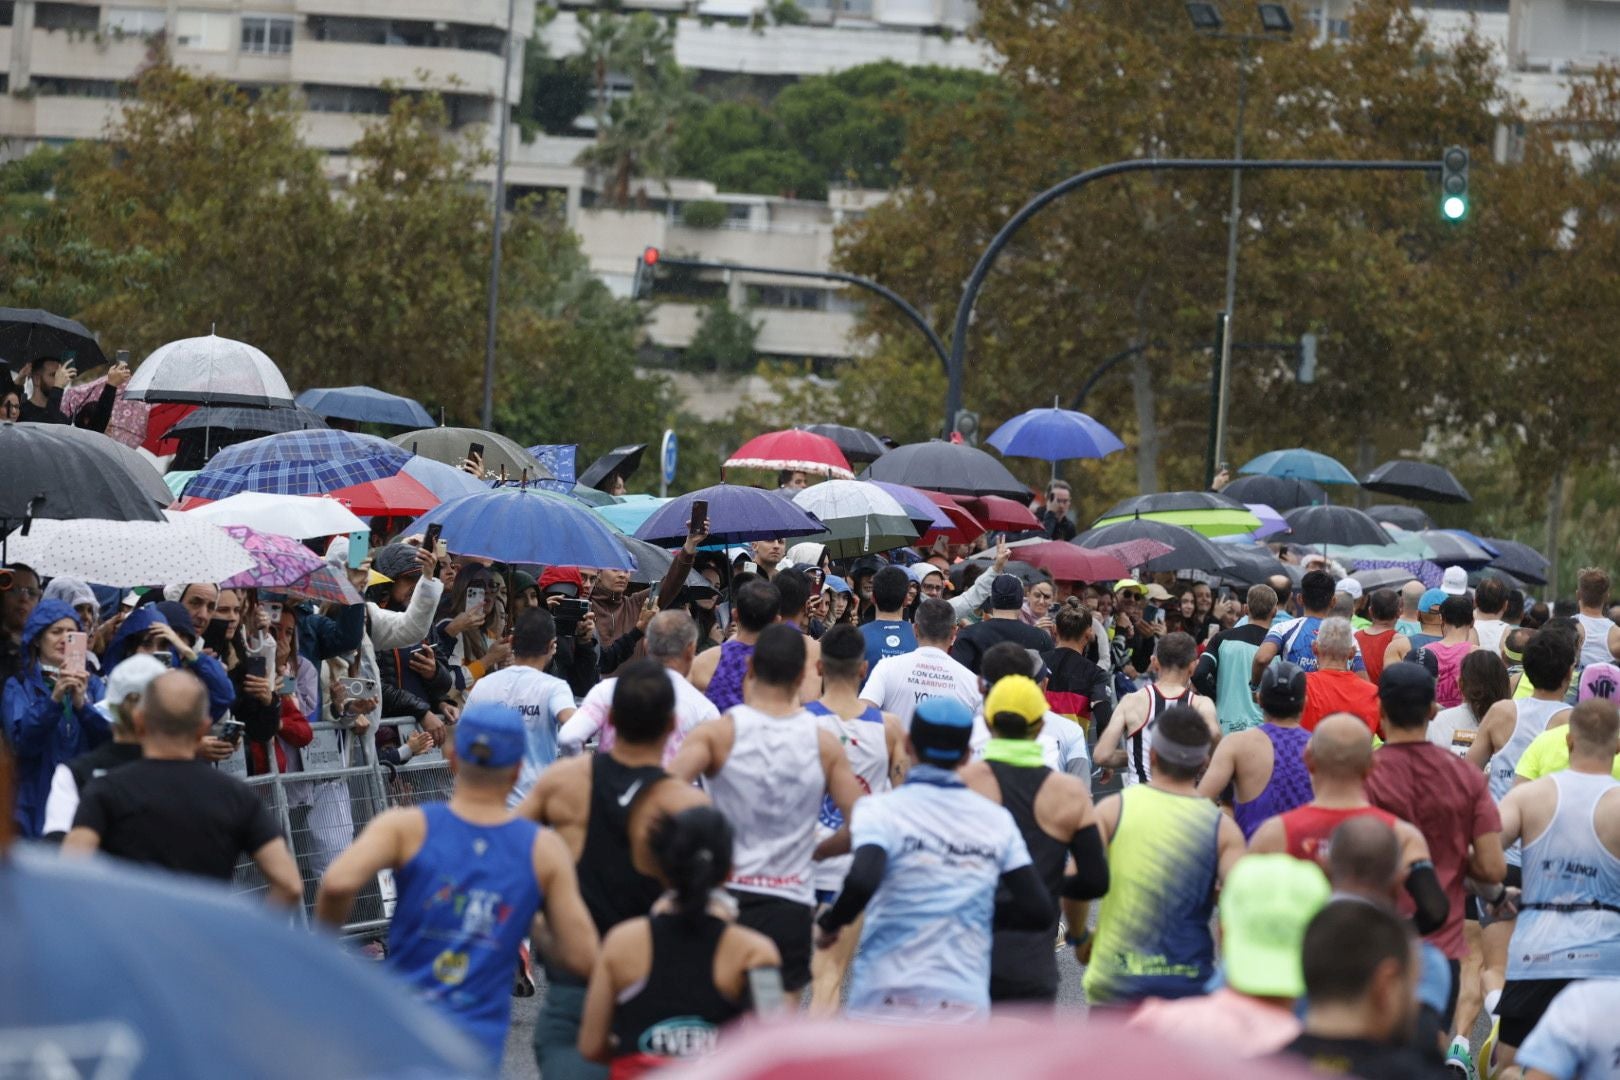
{"type": "Point", "coordinates": [1551, 43]}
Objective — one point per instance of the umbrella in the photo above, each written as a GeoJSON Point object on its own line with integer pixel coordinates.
{"type": "Point", "coordinates": [737, 515]}
{"type": "Point", "coordinates": [1189, 550]}
{"type": "Point", "coordinates": [856, 444]}
{"type": "Point", "coordinates": [209, 371]}
{"type": "Point", "coordinates": [580, 493]}
{"type": "Point", "coordinates": [1418, 480]}
{"type": "Point", "coordinates": [559, 458]}
{"type": "Point", "coordinates": [143, 470]}
{"type": "Point", "coordinates": [527, 525]}
{"type": "Point", "coordinates": [1448, 547]}
{"type": "Point", "coordinates": [1159, 502]}
{"type": "Point", "coordinates": [60, 471]}
{"type": "Point", "coordinates": [1421, 569]}
{"type": "Point", "coordinates": [1205, 512]}
{"type": "Point", "coordinates": [944, 466]}
{"type": "Point", "coordinates": [1131, 552]}
{"type": "Point", "coordinates": [624, 460]}
{"type": "Point", "coordinates": [280, 562]}
{"type": "Point", "coordinates": [128, 553]}
{"type": "Point", "coordinates": [860, 518]}
{"type": "Point", "coordinates": [627, 516]}
{"type": "Point", "coordinates": [28, 334]}
{"type": "Point", "coordinates": [964, 527]}
{"type": "Point", "coordinates": [444, 481]}
{"type": "Point", "coordinates": [1054, 435]}
{"type": "Point", "coordinates": [1339, 525]}
{"type": "Point", "coordinates": [450, 445]}
{"type": "Point", "coordinates": [997, 512]}
{"type": "Point", "coordinates": [366, 405]}
{"type": "Point", "coordinates": [1521, 560]}
{"type": "Point", "coordinates": [176, 480]}
{"type": "Point", "coordinates": [1280, 492]}
{"type": "Point", "coordinates": [1300, 464]}
{"type": "Point", "coordinates": [1063, 561]}
{"type": "Point", "coordinates": [68, 961]}
{"type": "Point", "coordinates": [1271, 522]}
{"type": "Point", "coordinates": [1410, 518]}
{"type": "Point", "coordinates": [246, 418]}
{"type": "Point", "coordinates": [298, 516]}
{"type": "Point", "coordinates": [801, 451]}
{"type": "Point", "coordinates": [1382, 577]}
{"type": "Point", "coordinates": [924, 512]}
{"type": "Point", "coordinates": [400, 495]}
{"type": "Point", "coordinates": [1252, 563]}
{"type": "Point", "coordinates": [653, 563]}
{"type": "Point", "coordinates": [299, 463]}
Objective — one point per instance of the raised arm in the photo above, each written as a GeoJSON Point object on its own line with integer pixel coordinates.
{"type": "Point", "coordinates": [379, 846]}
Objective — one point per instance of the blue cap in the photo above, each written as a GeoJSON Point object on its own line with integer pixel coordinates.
{"type": "Point", "coordinates": [838, 584]}
{"type": "Point", "coordinates": [491, 735]}
{"type": "Point", "coordinates": [941, 730]}
{"type": "Point", "coordinates": [1432, 599]}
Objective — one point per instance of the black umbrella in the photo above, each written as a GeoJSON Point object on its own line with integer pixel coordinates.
{"type": "Point", "coordinates": [857, 445]}
{"type": "Point", "coordinates": [954, 468]}
{"type": "Point", "coordinates": [1253, 563]}
{"type": "Point", "coordinates": [30, 334]}
{"type": "Point", "coordinates": [246, 418]}
{"type": "Point", "coordinates": [1383, 577]}
{"type": "Point", "coordinates": [1410, 518]}
{"type": "Point", "coordinates": [1164, 501]}
{"type": "Point", "coordinates": [1521, 560]}
{"type": "Point", "coordinates": [623, 460]}
{"type": "Point", "coordinates": [59, 471]}
{"type": "Point", "coordinates": [1278, 492]}
{"type": "Point", "coordinates": [1416, 480]}
{"type": "Point", "coordinates": [1341, 525]}
{"type": "Point", "coordinates": [1192, 551]}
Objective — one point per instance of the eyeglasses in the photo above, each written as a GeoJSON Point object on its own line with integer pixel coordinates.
{"type": "Point", "coordinates": [27, 592]}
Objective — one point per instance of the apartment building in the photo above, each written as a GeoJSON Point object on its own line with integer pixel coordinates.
{"type": "Point", "coordinates": [1553, 43]}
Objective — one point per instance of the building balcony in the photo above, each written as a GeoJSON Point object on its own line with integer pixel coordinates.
{"type": "Point", "coordinates": [472, 12]}
{"type": "Point", "coordinates": [820, 334]}
{"type": "Point", "coordinates": [62, 54]}
{"type": "Point", "coordinates": [341, 63]}
{"type": "Point", "coordinates": [56, 119]}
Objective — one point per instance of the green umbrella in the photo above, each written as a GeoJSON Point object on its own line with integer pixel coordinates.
{"type": "Point", "coordinates": [1214, 521]}
{"type": "Point", "coordinates": [1404, 545]}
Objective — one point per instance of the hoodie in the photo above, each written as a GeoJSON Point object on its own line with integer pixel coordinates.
{"type": "Point", "coordinates": [221, 694]}
{"type": "Point", "coordinates": [46, 733]}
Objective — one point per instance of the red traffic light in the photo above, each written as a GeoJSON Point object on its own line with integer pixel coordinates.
{"type": "Point", "coordinates": [649, 257]}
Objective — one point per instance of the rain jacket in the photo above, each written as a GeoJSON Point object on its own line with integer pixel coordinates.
{"type": "Point", "coordinates": [45, 733]}
{"type": "Point", "coordinates": [221, 694]}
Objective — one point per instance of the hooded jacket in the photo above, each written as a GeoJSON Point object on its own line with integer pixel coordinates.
{"type": "Point", "coordinates": [46, 733]}
{"type": "Point", "coordinates": [221, 694]}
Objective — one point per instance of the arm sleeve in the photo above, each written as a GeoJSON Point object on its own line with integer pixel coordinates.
{"type": "Point", "coordinates": [1424, 888]}
{"type": "Point", "coordinates": [97, 414]}
{"type": "Point", "coordinates": [586, 722]}
{"type": "Point", "coordinates": [974, 598]}
{"type": "Point", "coordinates": [399, 629]}
{"type": "Point", "coordinates": [335, 636]}
{"type": "Point", "coordinates": [675, 579]}
{"type": "Point", "coordinates": [620, 651]}
{"type": "Point", "coordinates": [221, 695]}
{"type": "Point", "coordinates": [865, 874]}
{"type": "Point", "coordinates": [1022, 902]}
{"type": "Point", "coordinates": [28, 719]}
{"type": "Point", "coordinates": [258, 828]}
{"type": "Point", "coordinates": [1203, 679]}
{"type": "Point", "coordinates": [398, 702]}
{"type": "Point", "coordinates": [584, 670]}
{"type": "Point", "coordinates": [295, 729]}
{"type": "Point", "coordinates": [61, 804]}
{"type": "Point", "coordinates": [258, 719]}
{"type": "Point", "coordinates": [1090, 877]}
{"type": "Point", "coordinates": [1102, 701]}
{"type": "Point", "coordinates": [92, 811]}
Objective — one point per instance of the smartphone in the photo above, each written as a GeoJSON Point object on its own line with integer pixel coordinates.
{"type": "Point", "coordinates": [765, 989]}
{"type": "Point", "coordinates": [475, 600]}
{"type": "Point", "coordinates": [256, 665]}
{"type": "Point", "coordinates": [475, 450]}
{"type": "Point", "coordinates": [700, 514]}
{"type": "Point", "coordinates": [359, 548]}
{"type": "Point", "coordinates": [214, 637]}
{"type": "Point", "coordinates": [78, 645]}
{"type": "Point", "coordinates": [288, 687]}
{"type": "Point", "coordinates": [431, 542]}
{"type": "Point", "coordinates": [817, 577]}
{"type": "Point", "coordinates": [230, 729]}
{"type": "Point", "coordinates": [272, 612]}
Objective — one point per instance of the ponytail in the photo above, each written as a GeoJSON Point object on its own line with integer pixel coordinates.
{"type": "Point", "coordinates": [693, 849]}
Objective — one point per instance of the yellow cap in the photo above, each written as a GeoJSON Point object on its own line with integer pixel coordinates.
{"type": "Point", "coordinates": [1127, 583]}
{"type": "Point", "coordinates": [1016, 694]}
{"type": "Point", "coordinates": [374, 578]}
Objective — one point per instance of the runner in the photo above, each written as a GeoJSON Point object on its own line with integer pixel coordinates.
{"type": "Point", "coordinates": [768, 765]}
{"type": "Point", "coordinates": [1332, 687]}
{"type": "Point", "coordinates": [1223, 670]}
{"type": "Point", "coordinates": [544, 701]}
{"type": "Point", "coordinates": [470, 879]}
{"type": "Point", "coordinates": [1429, 632]}
{"type": "Point", "coordinates": [1483, 681]}
{"type": "Point", "coordinates": [888, 634]}
{"type": "Point", "coordinates": [1062, 741]}
{"type": "Point", "coordinates": [930, 858]}
{"type": "Point", "coordinates": [719, 672]}
{"type": "Point", "coordinates": [1128, 739]}
{"type": "Point", "coordinates": [874, 742]}
{"type": "Point", "coordinates": [1569, 912]}
{"type": "Point", "coordinates": [1383, 609]}
{"type": "Point", "coordinates": [1054, 815]}
{"type": "Point", "coordinates": [1292, 640]}
{"type": "Point", "coordinates": [1577, 1036]}
{"type": "Point", "coordinates": [1490, 600]}
{"type": "Point", "coordinates": [898, 684]}
{"type": "Point", "coordinates": [1168, 851]}
{"type": "Point", "coordinates": [603, 806]}
{"type": "Point", "coordinates": [1265, 766]}
{"type": "Point", "coordinates": [1602, 640]}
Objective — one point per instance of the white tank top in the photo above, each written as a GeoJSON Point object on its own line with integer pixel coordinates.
{"type": "Point", "coordinates": [1532, 721]}
{"type": "Point", "coordinates": [770, 789]}
{"type": "Point", "coordinates": [1569, 918]}
{"type": "Point", "coordinates": [866, 744]}
{"type": "Point", "coordinates": [1595, 646]}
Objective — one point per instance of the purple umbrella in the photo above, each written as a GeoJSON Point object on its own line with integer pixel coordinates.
{"type": "Point", "coordinates": [280, 562]}
{"type": "Point", "coordinates": [445, 481]}
{"type": "Point", "coordinates": [922, 510]}
{"type": "Point", "coordinates": [1271, 522]}
{"type": "Point", "coordinates": [737, 514]}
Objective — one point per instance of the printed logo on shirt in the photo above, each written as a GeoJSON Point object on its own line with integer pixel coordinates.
{"type": "Point", "coordinates": [450, 967]}
{"type": "Point", "coordinates": [893, 642]}
{"type": "Point", "coordinates": [679, 1037]}
{"type": "Point", "coordinates": [1461, 740]}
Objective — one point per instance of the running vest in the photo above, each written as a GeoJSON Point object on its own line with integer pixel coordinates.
{"type": "Point", "coordinates": [1153, 936]}
{"type": "Point", "coordinates": [676, 1012]}
{"type": "Point", "coordinates": [726, 684]}
{"type": "Point", "coordinates": [1308, 830]}
{"type": "Point", "coordinates": [1373, 647]}
{"type": "Point", "coordinates": [1023, 963]}
{"type": "Point", "coordinates": [866, 745]}
{"type": "Point", "coordinates": [1447, 691]}
{"type": "Point", "coordinates": [612, 888]}
{"type": "Point", "coordinates": [1290, 783]}
{"type": "Point", "coordinates": [1569, 916]}
{"type": "Point", "coordinates": [1138, 769]}
{"type": "Point", "coordinates": [1532, 721]}
{"type": "Point", "coordinates": [465, 902]}
{"type": "Point", "coordinates": [1595, 643]}
{"type": "Point", "coordinates": [770, 788]}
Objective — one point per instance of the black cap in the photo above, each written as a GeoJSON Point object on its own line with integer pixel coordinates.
{"type": "Point", "coordinates": [1282, 689]}
{"type": "Point", "coordinates": [396, 561]}
{"type": "Point", "coordinates": [1006, 593]}
{"type": "Point", "coordinates": [1407, 683]}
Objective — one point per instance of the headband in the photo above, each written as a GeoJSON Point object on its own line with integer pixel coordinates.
{"type": "Point", "coordinates": [1188, 757]}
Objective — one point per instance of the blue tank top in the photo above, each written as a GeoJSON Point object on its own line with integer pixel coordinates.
{"type": "Point", "coordinates": [1569, 916]}
{"type": "Point", "coordinates": [466, 900]}
{"type": "Point", "coordinates": [726, 684]}
{"type": "Point", "coordinates": [1290, 783]}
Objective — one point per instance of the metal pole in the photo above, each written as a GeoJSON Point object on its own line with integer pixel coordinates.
{"type": "Point", "coordinates": [1220, 361]}
{"type": "Point", "coordinates": [487, 414]}
{"type": "Point", "coordinates": [1223, 388]}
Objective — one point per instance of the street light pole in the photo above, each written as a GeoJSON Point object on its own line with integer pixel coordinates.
{"type": "Point", "coordinates": [487, 414]}
{"type": "Point", "coordinates": [1223, 380]}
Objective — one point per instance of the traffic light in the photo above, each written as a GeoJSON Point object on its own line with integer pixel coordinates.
{"type": "Point", "coordinates": [646, 273]}
{"type": "Point", "coordinates": [1305, 374]}
{"type": "Point", "coordinates": [1454, 184]}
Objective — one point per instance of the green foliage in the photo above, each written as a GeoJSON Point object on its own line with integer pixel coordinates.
{"type": "Point", "coordinates": [703, 214]}
{"type": "Point", "coordinates": [786, 13]}
{"type": "Point", "coordinates": [724, 341]}
{"type": "Point", "coordinates": [635, 135]}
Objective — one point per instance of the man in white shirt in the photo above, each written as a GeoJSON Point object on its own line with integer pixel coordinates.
{"type": "Point", "coordinates": [545, 701]}
{"type": "Point", "coordinates": [1490, 600]}
{"type": "Point", "coordinates": [672, 641]}
{"type": "Point", "coordinates": [897, 683]}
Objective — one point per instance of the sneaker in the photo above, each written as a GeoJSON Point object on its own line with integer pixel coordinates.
{"type": "Point", "coordinates": [1460, 1060]}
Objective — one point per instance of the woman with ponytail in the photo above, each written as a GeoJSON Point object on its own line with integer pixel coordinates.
{"type": "Point", "coordinates": [665, 983]}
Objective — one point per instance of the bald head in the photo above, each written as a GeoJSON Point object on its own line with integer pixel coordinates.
{"type": "Point", "coordinates": [1364, 856]}
{"type": "Point", "coordinates": [175, 705]}
{"type": "Point", "coordinates": [1594, 729]}
{"type": "Point", "coordinates": [1340, 747]}
{"type": "Point", "coordinates": [1411, 593]}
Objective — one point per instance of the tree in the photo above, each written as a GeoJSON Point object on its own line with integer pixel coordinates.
{"type": "Point", "coordinates": [724, 341]}
{"type": "Point", "coordinates": [635, 134]}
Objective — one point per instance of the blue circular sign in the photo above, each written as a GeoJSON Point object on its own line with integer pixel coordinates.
{"type": "Point", "coordinates": [671, 452]}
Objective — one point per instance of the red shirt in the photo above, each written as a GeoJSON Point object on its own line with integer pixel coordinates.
{"type": "Point", "coordinates": [1449, 802]}
{"type": "Point", "coordinates": [1329, 692]}
{"type": "Point", "coordinates": [1373, 647]}
{"type": "Point", "coordinates": [1307, 828]}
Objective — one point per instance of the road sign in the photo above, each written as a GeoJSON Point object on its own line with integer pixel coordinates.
{"type": "Point", "coordinates": [669, 455]}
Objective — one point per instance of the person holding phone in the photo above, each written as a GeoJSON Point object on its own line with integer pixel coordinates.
{"type": "Point", "coordinates": [471, 632]}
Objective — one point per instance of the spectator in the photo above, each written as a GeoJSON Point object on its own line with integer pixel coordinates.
{"type": "Point", "coordinates": [19, 592]}
{"type": "Point", "coordinates": [1332, 687]}
{"type": "Point", "coordinates": [81, 598]}
{"type": "Point", "coordinates": [577, 661]}
{"type": "Point", "coordinates": [199, 599]}
{"type": "Point", "coordinates": [1037, 610]}
{"type": "Point", "coordinates": [125, 686]}
{"type": "Point", "coordinates": [471, 626]}
{"type": "Point", "coordinates": [768, 556]}
{"type": "Point", "coordinates": [184, 646]}
{"type": "Point", "coordinates": [272, 706]}
{"type": "Point", "coordinates": [544, 701]}
{"type": "Point", "coordinates": [415, 681]}
{"type": "Point", "coordinates": [173, 811]}
{"type": "Point", "coordinates": [10, 402]}
{"type": "Point", "coordinates": [1003, 624]}
{"type": "Point", "coordinates": [1055, 523]}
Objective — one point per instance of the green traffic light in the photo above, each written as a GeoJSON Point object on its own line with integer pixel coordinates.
{"type": "Point", "coordinates": [1454, 207]}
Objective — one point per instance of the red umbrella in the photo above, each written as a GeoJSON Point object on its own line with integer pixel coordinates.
{"type": "Point", "coordinates": [802, 451]}
{"type": "Point", "coordinates": [965, 528]}
{"type": "Point", "coordinates": [400, 495]}
{"type": "Point", "coordinates": [1070, 562]}
{"type": "Point", "coordinates": [1000, 512]}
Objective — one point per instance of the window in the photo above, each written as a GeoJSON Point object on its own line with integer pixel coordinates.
{"type": "Point", "coordinates": [267, 35]}
{"type": "Point", "coordinates": [7, 12]}
{"type": "Point", "coordinates": [792, 297]}
{"type": "Point", "coordinates": [136, 21]}
{"type": "Point", "coordinates": [346, 99]}
{"type": "Point", "coordinates": [209, 30]}
{"type": "Point", "coordinates": [55, 16]}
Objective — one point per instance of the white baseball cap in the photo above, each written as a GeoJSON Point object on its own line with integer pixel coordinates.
{"type": "Point", "coordinates": [1455, 581]}
{"type": "Point", "coordinates": [1349, 586]}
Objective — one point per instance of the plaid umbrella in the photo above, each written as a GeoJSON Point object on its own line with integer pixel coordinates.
{"type": "Point", "coordinates": [299, 463]}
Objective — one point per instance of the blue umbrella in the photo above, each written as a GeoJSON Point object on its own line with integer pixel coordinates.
{"type": "Point", "coordinates": [560, 458]}
{"type": "Point", "coordinates": [737, 515]}
{"type": "Point", "coordinates": [367, 405]}
{"type": "Point", "coordinates": [1301, 464]}
{"type": "Point", "coordinates": [445, 481]}
{"type": "Point", "coordinates": [631, 512]}
{"type": "Point", "coordinates": [1054, 435]}
{"type": "Point", "coordinates": [299, 463]}
{"type": "Point", "coordinates": [79, 985]}
{"type": "Point", "coordinates": [529, 526]}
{"type": "Point", "coordinates": [315, 446]}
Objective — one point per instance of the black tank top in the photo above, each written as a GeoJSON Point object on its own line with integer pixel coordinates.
{"type": "Point", "coordinates": [1023, 963]}
{"type": "Point", "coordinates": [678, 1011]}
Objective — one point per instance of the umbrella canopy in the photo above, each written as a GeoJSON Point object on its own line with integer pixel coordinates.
{"type": "Point", "coordinates": [1299, 464]}
{"type": "Point", "coordinates": [1450, 547]}
{"type": "Point", "coordinates": [857, 445]}
{"type": "Point", "coordinates": [366, 405]}
{"type": "Point", "coordinates": [527, 525]}
{"type": "Point", "coordinates": [860, 518]}
{"type": "Point", "coordinates": [449, 445]}
{"type": "Point", "coordinates": [280, 562]}
{"type": "Point", "coordinates": [1252, 563]}
{"type": "Point", "coordinates": [209, 371]}
{"type": "Point", "coordinates": [1280, 492]}
{"type": "Point", "coordinates": [28, 334]}
{"type": "Point", "coordinates": [580, 493]}
{"type": "Point", "coordinates": [964, 528]}
{"type": "Point", "coordinates": [1410, 518]}
{"type": "Point", "coordinates": [442, 480]}
{"type": "Point", "coordinates": [997, 512]}
{"type": "Point", "coordinates": [1338, 525]}
{"type": "Point", "coordinates": [737, 515]}
{"type": "Point", "coordinates": [924, 512]}
{"type": "Point", "coordinates": [1188, 550]}
{"type": "Point", "coordinates": [1206, 512]}
{"type": "Point", "coordinates": [801, 451]}
{"type": "Point", "coordinates": [955, 468]}
{"type": "Point", "coordinates": [623, 460]}
{"type": "Point", "coordinates": [143, 469]}
{"type": "Point", "coordinates": [653, 563]}
{"type": "Point", "coordinates": [299, 516]}
{"type": "Point", "coordinates": [1054, 435]}
{"type": "Point", "coordinates": [1162, 501]}
{"type": "Point", "coordinates": [246, 418]}
{"type": "Point", "coordinates": [1418, 480]}
{"type": "Point", "coordinates": [1382, 577]}
{"type": "Point", "coordinates": [627, 516]}
{"type": "Point", "coordinates": [68, 961]}
{"type": "Point", "coordinates": [1063, 561]}
{"type": "Point", "coordinates": [1521, 560]}
{"type": "Point", "coordinates": [1271, 522]}
{"type": "Point", "coordinates": [60, 471]}
{"type": "Point", "coordinates": [128, 553]}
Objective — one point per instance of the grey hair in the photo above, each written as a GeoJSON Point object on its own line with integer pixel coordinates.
{"type": "Point", "coordinates": [670, 634]}
{"type": "Point", "coordinates": [1336, 638]}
